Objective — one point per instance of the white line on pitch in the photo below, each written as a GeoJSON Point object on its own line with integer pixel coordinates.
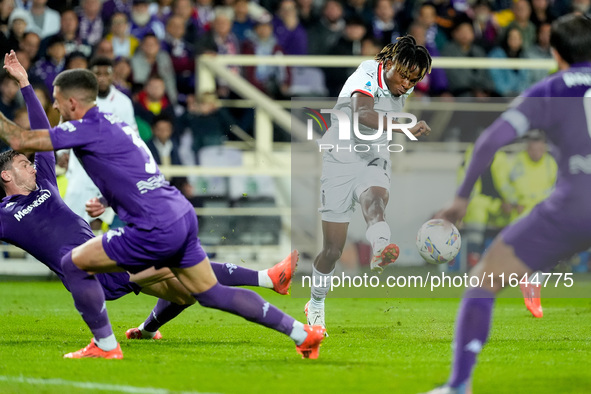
{"type": "Point", "coordinates": [93, 386]}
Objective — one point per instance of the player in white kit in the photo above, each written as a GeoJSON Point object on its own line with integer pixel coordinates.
{"type": "Point", "coordinates": [358, 170]}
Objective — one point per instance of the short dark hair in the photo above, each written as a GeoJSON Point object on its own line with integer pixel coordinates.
{"type": "Point", "coordinates": [162, 117]}
{"type": "Point", "coordinates": [78, 79]}
{"type": "Point", "coordinates": [571, 38]}
{"type": "Point", "coordinates": [6, 159]}
{"type": "Point", "coordinates": [99, 62]}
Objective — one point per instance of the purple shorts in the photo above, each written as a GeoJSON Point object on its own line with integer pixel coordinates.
{"type": "Point", "coordinates": [546, 236]}
{"type": "Point", "coordinates": [117, 284]}
{"type": "Point", "coordinates": [135, 249]}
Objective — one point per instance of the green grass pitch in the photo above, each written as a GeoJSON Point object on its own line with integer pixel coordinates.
{"type": "Point", "coordinates": [375, 346]}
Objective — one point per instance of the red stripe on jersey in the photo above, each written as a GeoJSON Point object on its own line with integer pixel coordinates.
{"type": "Point", "coordinates": [380, 83]}
{"type": "Point", "coordinates": [362, 91]}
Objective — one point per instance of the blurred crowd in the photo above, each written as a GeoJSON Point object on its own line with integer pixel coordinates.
{"type": "Point", "coordinates": [153, 46]}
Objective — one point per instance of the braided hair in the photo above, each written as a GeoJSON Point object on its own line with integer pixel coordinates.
{"type": "Point", "coordinates": [406, 54]}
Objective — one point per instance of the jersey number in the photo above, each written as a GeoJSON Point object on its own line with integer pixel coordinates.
{"type": "Point", "coordinates": [137, 141]}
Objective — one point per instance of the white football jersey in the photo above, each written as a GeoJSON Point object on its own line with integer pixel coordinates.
{"type": "Point", "coordinates": [368, 79]}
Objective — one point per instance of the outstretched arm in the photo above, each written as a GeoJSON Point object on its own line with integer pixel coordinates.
{"type": "Point", "coordinates": [17, 137]}
{"type": "Point", "coordinates": [23, 140]}
{"type": "Point", "coordinates": [499, 134]}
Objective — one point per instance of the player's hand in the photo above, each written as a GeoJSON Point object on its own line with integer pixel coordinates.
{"type": "Point", "coordinates": [455, 212]}
{"type": "Point", "coordinates": [94, 207]}
{"type": "Point", "coordinates": [15, 69]}
{"type": "Point", "coordinates": [421, 128]}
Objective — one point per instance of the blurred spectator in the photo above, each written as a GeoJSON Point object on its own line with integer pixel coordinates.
{"type": "Point", "coordinates": [62, 5]}
{"type": "Point", "coordinates": [541, 50]}
{"type": "Point", "coordinates": [164, 150]}
{"type": "Point", "coordinates": [208, 121]}
{"type": "Point", "coordinates": [181, 53]}
{"type": "Point", "coordinates": [466, 82]}
{"type": "Point", "coordinates": [142, 22]}
{"type": "Point", "coordinates": [290, 34]}
{"type": "Point", "coordinates": [162, 9]}
{"type": "Point", "coordinates": [69, 31]}
{"type": "Point", "coordinates": [46, 19]}
{"type": "Point", "coordinates": [91, 26]}
{"type": "Point", "coordinates": [522, 11]}
{"type": "Point", "coordinates": [532, 174]}
{"type": "Point", "coordinates": [21, 118]}
{"type": "Point", "coordinates": [510, 83]}
{"type": "Point", "coordinates": [76, 60]}
{"type": "Point", "coordinates": [152, 101]}
{"type": "Point", "coordinates": [149, 60]}
{"type": "Point", "coordinates": [18, 23]}
{"type": "Point", "coordinates": [383, 25]}
{"type": "Point", "coordinates": [541, 12]}
{"type": "Point", "coordinates": [486, 29]}
{"type": "Point", "coordinates": [221, 40]}
{"type": "Point", "coordinates": [124, 44]}
{"type": "Point", "coordinates": [370, 46]}
{"type": "Point", "coordinates": [6, 8]}
{"type": "Point", "coordinates": [121, 75]}
{"type": "Point", "coordinates": [582, 6]}
{"type": "Point", "coordinates": [104, 49]}
{"type": "Point", "coordinates": [111, 7]}
{"type": "Point", "coordinates": [53, 63]}
{"type": "Point", "coordinates": [325, 33]}
{"type": "Point", "coordinates": [243, 23]}
{"type": "Point", "coordinates": [10, 100]}
{"type": "Point", "coordinates": [30, 44]}
{"type": "Point", "coordinates": [185, 10]}
{"type": "Point", "coordinates": [434, 83]}
{"type": "Point", "coordinates": [435, 37]}
{"type": "Point", "coordinates": [348, 45]}
{"type": "Point", "coordinates": [205, 14]}
{"type": "Point", "coordinates": [272, 80]}
{"type": "Point", "coordinates": [360, 8]}
{"type": "Point", "coordinates": [307, 13]}
{"type": "Point", "coordinates": [109, 99]}
{"type": "Point", "coordinates": [46, 102]}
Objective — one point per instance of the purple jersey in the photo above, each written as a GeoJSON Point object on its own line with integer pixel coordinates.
{"type": "Point", "coordinates": [122, 167]}
{"type": "Point", "coordinates": [41, 223]}
{"type": "Point", "coordinates": [559, 105]}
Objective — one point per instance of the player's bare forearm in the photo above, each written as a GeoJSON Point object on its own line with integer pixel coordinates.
{"type": "Point", "coordinates": [23, 140]}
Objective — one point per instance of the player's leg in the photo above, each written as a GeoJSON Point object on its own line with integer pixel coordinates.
{"type": "Point", "coordinates": [201, 282]}
{"type": "Point", "coordinates": [174, 297]}
{"type": "Point", "coordinates": [475, 313]}
{"type": "Point", "coordinates": [334, 236]}
{"type": "Point", "coordinates": [78, 267]}
{"type": "Point", "coordinates": [373, 203]}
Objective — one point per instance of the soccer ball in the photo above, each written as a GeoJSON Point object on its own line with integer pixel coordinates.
{"type": "Point", "coordinates": [438, 241]}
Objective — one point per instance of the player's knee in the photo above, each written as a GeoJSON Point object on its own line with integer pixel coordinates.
{"type": "Point", "coordinates": [331, 254]}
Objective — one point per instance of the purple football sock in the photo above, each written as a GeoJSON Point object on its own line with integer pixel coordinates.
{"type": "Point", "coordinates": [89, 298]}
{"type": "Point", "coordinates": [163, 312]}
{"type": "Point", "coordinates": [248, 304]}
{"type": "Point", "coordinates": [472, 329]}
{"type": "Point", "coordinates": [233, 275]}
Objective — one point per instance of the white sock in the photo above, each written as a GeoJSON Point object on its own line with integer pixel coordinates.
{"type": "Point", "coordinates": [265, 279]}
{"type": "Point", "coordinates": [320, 287]}
{"type": "Point", "coordinates": [146, 333]}
{"type": "Point", "coordinates": [106, 344]}
{"type": "Point", "coordinates": [298, 334]}
{"type": "Point", "coordinates": [378, 236]}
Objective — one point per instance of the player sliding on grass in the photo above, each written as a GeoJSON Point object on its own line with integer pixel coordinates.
{"type": "Point", "coordinates": [33, 205]}
{"type": "Point", "coordinates": [375, 88]}
{"type": "Point", "coordinates": [557, 227]}
{"type": "Point", "coordinates": [162, 229]}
